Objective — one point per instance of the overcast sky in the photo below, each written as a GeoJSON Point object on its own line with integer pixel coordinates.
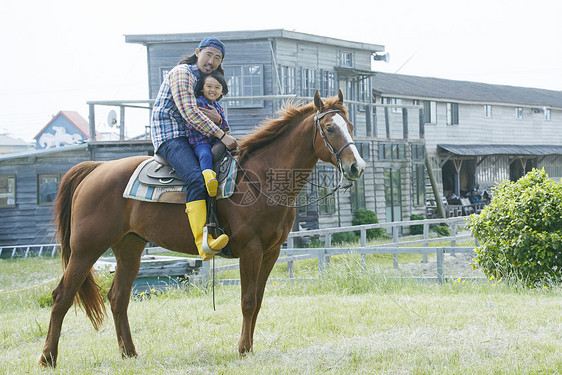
{"type": "Point", "coordinates": [59, 54]}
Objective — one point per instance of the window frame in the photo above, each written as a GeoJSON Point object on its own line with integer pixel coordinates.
{"type": "Point", "coordinates": [9, 194]}
{"type": "Point", "coordinates": [327, 205]}
{"type": "Point", "coordinates": [308, 82]}
{"type": "Point", "coordinates": [488, 111]}
{"type": "Point", "coordinates": [430, 112]}
{"type": "Point", "coordinates": [237, 85]}
{"type": "Point", "coordinates": [519, 113]}
{"type": "Point", "coordinates": [357, 195]}
{"type": "Point", "coordinates": [288, 76]}
{"type": "Point", "coordinates": [58, 176]}
{"type": "Point", "coordinates": [452, 113]}
{"type": "Point", "coordinates": [547, 114]}
{"type": "Point", "coordinates": [346, 59]}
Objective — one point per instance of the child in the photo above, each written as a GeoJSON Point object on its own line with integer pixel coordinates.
{"type": "Point", "coordinates": [209, 90]}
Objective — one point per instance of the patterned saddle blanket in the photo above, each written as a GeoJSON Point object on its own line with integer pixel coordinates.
{"type": "Point", "coordinates": [155, 182]}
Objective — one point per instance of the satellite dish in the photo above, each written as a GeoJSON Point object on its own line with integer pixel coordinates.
{"type": "Point", "coordinates": [112, 118]}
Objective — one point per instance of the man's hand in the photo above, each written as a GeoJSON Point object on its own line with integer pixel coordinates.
{"type": "Point", "coordinates": [212, 114]}
{"type": "Point", "coordinates": [229, 141]}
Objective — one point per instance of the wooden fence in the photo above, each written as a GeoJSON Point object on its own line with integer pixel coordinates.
{"type": "Point", "coordinates": [290, 254]}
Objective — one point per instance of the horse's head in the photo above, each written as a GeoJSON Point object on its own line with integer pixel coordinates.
{"type": "Point", "coordinates": [335, 142]}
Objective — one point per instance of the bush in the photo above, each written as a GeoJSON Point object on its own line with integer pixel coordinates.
{"type": "Point", "coordinates": [344, 237]}
{"type": "Point", "coordinates": [416, 229]}
{"type": "Point", "coordinates": [368, 217]}
{"type": "Point", "coordinates": [520, 231]}
{"type": "Point", "coordinates": [442, 230]}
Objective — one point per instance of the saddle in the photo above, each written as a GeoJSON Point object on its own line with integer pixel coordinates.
{"type": "Point", "coordinates": [155, 181]}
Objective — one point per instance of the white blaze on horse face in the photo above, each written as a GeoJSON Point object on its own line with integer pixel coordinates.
{"type": "Point", "coordinates": [342, 124]}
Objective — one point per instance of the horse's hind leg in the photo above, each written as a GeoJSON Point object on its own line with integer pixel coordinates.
{"type": "Point", "coordinates": [128, 254]}
{"type": "Point", "coordinates": [63, 296]}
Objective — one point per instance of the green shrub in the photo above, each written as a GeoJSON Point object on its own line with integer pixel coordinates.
{"type": "Point", "coordinates": [368, 217]}
{"type": "Point", "coordinates": [416, 229]}
{"type": "Point", "coordinates": [344, 237]}
{"type": "Point", "coordinates": [520, 231]}
{"type": "Point", "coordinates": [442, 230]}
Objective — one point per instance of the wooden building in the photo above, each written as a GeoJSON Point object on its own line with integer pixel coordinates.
{"type": "Point", "coordinates": [477, 134]}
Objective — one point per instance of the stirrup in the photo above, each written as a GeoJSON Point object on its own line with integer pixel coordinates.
{"type": "Point", "coordinates": [205, 243]}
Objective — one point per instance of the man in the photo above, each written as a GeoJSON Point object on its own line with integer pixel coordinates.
{"type": "Point", "coordinates": [174, 111]}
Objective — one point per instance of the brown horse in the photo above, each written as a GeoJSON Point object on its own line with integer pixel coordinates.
{"type": "Point", "coordinates": [92, 216]}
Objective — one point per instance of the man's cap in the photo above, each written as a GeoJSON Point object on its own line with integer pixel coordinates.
{"type": "Point", "coordinates": [212, 42]}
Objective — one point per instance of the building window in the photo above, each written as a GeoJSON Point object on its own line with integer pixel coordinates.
{"type": "Point", "coordinates": [392, 151]}
{"type": "Point", "coordinates": [487, 111]}
{"type": "Point", "coordinates": [47, 187]}
{"type": "Point", "coordinates": [7, 190]}
{"type": "Point", "coordinates": [308, 82]}
{"type": "Point", "coordinates": [430, 112]}
{"type": "Point", "coordinates": [395, 102]}
{"type": "Point", "coordinates": [326, 179]}
{"type": "Point", "coordinates": [329, 84]}
{"type": "Point", "coordinates": [244, 80]}
{"type": "Point", "coordinates": [452, 113]}
{"type": "Point", "coordinates": [288, 78]}
{"type": "Point", "coordinates": [364, 149]}
{"type": "Point", "coordinates": [547, 114]}
{"type": "Point", "coordinates": [364, 92]}
{"type": "Point", "coordinates": [345, 59]}
{"type": "Point", "coordinates": [392, 194]}
{"type": "Point", "coordinates": [418, 151]}
{"type": "Point", "coordinates": [357, 191]}
{"type": "Point", "coordinates": [418, 176]}
{"type": "Point", "coordinates": [519, 113]}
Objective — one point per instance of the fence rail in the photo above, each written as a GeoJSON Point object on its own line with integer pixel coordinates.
{"type": "Point", "coordinates": [291, 254]}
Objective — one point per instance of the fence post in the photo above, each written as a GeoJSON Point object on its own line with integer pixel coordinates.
{"type": "Point", "coordinates": [290, 269]}
{"type": "Point", "coordinates": [321, 261]}
{"type": "Point", "coordinates": [290, 243]}
{"type": "Point", "coordinates": [439, 254]}
{"type": "Point", "coordinates": [453, 234]}
{"type": "Point", "coordinates": [328, 243]}
{"type": "Point", "coordinates": [425, 237]}
{"type": "Point", "coordinates": [395, 240]}
{"type": "Point", "coordinates": [363, 244]}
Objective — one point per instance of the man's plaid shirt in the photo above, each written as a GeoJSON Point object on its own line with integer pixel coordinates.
{"type": "Point", "coordinates": [196, 138]}
{"type": "Point", "coordinates": [175, 108]}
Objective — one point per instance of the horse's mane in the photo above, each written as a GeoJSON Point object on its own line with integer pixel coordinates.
{"type": "Point", "coordinates": [269, 129]}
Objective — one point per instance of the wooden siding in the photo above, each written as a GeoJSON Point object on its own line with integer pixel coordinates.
{"type": "Point", "coordinates": [30, 223]}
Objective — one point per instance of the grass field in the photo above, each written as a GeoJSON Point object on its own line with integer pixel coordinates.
{"type": "Point", "coordinates": [352, 321]}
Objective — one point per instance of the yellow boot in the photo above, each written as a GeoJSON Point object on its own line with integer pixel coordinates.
{"type": "Point", "coordinates": [211, 182]}
{"type": "Point", "coordinates": [209, 246]}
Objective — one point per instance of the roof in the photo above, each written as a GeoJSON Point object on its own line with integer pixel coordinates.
{"type": "Point", "coordinates": [226, 36]}
{"type": "Point", "coordinates": [6, 140]}
{"type": "Point", "coordinates": [482, 150]}
{"type": "Point", "coordinates": [415, 87]}
{"type": "Point", "coordinates": [75, 118]}
{"type": "Point", "coordinates": [27, 154]}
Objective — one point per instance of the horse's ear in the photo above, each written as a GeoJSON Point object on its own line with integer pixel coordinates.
{"type": "Point", "coordinates": [340, 96]}
{"type": "Point", "coordinates": [318, 101]}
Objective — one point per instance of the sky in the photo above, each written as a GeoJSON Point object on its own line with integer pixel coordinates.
{"type": "Point", "coordinates": [60, 54]}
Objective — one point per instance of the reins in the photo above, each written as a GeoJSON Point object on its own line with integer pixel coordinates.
{"type": "Point", "coordinates": [327, 143]}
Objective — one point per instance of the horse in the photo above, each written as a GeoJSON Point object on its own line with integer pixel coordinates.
{"type": "Point", "coordinates": [92, 216]}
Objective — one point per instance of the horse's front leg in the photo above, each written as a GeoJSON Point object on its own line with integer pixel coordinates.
{"type": "Point", "coordinates": [250, 264]}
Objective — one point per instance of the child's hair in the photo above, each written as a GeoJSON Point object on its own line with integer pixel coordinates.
{"type": "Point", "coordinates": [216, 75]}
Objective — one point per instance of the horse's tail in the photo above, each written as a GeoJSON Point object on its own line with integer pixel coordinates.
{"type": "Point", "coordinates": [89, 296]}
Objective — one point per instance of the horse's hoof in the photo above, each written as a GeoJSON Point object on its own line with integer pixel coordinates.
{"type": "Point", "coordinates": [47, 361]}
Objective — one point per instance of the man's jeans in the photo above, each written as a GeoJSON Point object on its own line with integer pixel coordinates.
{"type": "Point", "coordinates": [179, 154]}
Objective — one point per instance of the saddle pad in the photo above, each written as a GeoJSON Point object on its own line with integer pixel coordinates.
{"type": "Point", "coordinates": [160, 192]}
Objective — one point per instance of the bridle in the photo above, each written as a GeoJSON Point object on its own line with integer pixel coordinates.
{"type": "Point", "coordinates": [337, 154]}
{"type": "Point", "coordinates": [331, 148]}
